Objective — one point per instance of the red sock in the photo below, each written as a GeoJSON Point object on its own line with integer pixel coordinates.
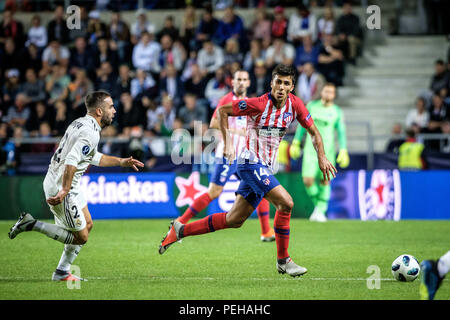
{"type": "Point", "coordinates": [199, 204]}
{"type": "Point", "coordinates": [263, 210]}
{"type": "Point", "coordinates": [211, 223]}
{"type": "Point", "coordinates": [281, 226]}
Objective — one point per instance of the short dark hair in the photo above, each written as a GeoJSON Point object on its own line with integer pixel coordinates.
{"type": "Point", "coordinates": [95, 100]}
{"type": "Point", "coordinates": [284, 70]}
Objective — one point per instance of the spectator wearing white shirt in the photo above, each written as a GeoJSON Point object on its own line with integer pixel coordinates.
{"type": "Point", "coordinates": [54, 53]}
{"type": "Point", "coordinates": [216, 89]}
{"type": "Point", "coordinates": [300, 24]}
{"type": "Point", "coordinates": [140, 26]}
{"type": "Point", "coordinates": [146, 54]}
{"type": "Point", "coordinates": [309, 84]}
{"type": "Point", "coordinates": [210, 58]}
{"type": "Point", "coordinates": [37, 34]}
{"type": "Point", "coordinates": [279, 52]}
{"type": "Point", "coordinates": [325, 25]}
{"type": "Point", "coordinates": [142, 84]}
{"type": "Point", "coordinates": [419, 115]}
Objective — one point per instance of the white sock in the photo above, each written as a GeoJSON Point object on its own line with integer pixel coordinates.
{"type": "Point", "coordinates": [69, 254]}
{"type": "Point", "coordinates": [53, 231]}
{"type": "Point", "coordinates": [444, 264]}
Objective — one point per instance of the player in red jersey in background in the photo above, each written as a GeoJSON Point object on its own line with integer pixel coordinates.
{"type": "Point", "coordinates": [223, 169]}
{"type": "Point", "coordinates": [268, 117]}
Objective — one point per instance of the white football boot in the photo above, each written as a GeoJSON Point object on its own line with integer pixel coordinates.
{"type": "Point", "coordinates": [291, 268]}
{"type": "Point", "coordinates": [25, 223]}
{"type": "Point", "coordinates": [318, 216]}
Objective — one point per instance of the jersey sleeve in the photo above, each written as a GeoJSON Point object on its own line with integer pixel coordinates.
{"type": "Point", "coordinates": [80, 150]}
{"type": "Point", "coordinates": [248, 107]}
{"type": "Point", "coordinates": [341, 130]}
{"type": "Point", "coordinates": [303, 115]}
{"type": "Point", "coordinates": [96, 158]}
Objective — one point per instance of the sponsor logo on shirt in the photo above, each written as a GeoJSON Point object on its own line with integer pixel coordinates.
{"type": "Point", "coordinates": [85, 150]}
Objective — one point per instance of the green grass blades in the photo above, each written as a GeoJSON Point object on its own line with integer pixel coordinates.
{"type": "Point", "coordinates": [121, 261]}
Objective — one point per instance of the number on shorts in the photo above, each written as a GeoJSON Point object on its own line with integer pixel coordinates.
{"type": "Point", "coordinates": [225, 170]}
{"type": "Point", "coordinates": [76, 215]}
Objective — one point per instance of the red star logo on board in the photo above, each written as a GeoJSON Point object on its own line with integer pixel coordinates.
{"type": "Point", "coordinates": [190, 189]}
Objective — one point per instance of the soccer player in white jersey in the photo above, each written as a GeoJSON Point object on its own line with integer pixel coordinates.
{"type": "Point", "coordinates": [77, 150]}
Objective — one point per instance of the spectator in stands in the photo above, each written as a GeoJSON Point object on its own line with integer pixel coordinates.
{"type": "Point", "coordinates": [231, 26]}
{"type": "Point", "coordinates": [192, 111]}
{"type": "Point", "coordinates": [82, 31]}
{"type": "Point", "coordinates": [419, 115]}
{"type": "Point", "coordinates": [130, 114]}
{"type": "Point", "coordinates": [168, 29]}
{"type": "Point", "coordinates": [396, 139]}
{"type": "Point", "coordinates": [170, 84]}
{"type": "Point", "coordinates": [438, 114]}
{"type": "Point", "coordinates": [55, 53]}
{"type": "Point", "coordinates": [44, 133]}
{"type": "Point", "coordinates": [143, 85]}
{"type": "Point", "coordinates": [255, 53]}
{"type": "Point", "coordinates": [141, 26]}
{"type": "Point", "coordinates": [11, 87]}
{"type": "Point", "coordinates": [207, 27]}
{"type": "Point", "coordinates": [216, 89]}
{"type": "Point", "coordinates": [146, 54]}
{"type": "Point", "coordinates": [411, 154]}
{"type": "Point", "coordinates": [279, 24]}
{"type": "Point", "coordinates": [39, 114]}
{"type": "Point", "coordinates": [19, 113]}
{"type": "Point", "coordinates": [33, 87]}
{"type": "Point", "coordinates": [326, 24]}
{"type": "Point", "coordinates": [441, 77]}
{"type": "Point", "coordinates": [259, 79]}
{"type": "Point", "coordinates": [10, 58]}
{"type": "Point", "coordinates": [196, 84]}
{"type": "Point", "coordinates": [188, 28]}
{"type": "Point", "coordinates": [82, 57]}
{"type": "Point", "coordinates": [105, 78]}
{"type": "Point", "coordinates": [331, 61]}
{"type": "Point", "coordinates": [307, 52]}
{"type": "Point", "coordinates": [57, 28]}
{"type": "Point", "coordinates": [96, 28]}
{"type": "Point", "coordinates": [11, 28]}
{"type": "Point", "coordinates": [37, 34]}
{"type": "Point", "coordinates": [170, 53]}
{"type": "Point", "coordinates": [78, 89]}
{"type": "Point", "coordinates": [61, 120]}
{"type": "Point", "coordinates": [31, 59]}
{"type": "Point", "coordinates": [123, 82]}
{"type": "Point", "coordinates": [301, 24]}
{"type": "Point", "coordinates": [309, 83]}
{"type": "Point", "coordinates": [56, 84]}
{"type": "Point", "coordinates": [165, 116]}
{"type": "Point", "coordinates": [105, 53]}
{"type": "Point", "coordinates": [232, 52]}
{"type": "Point", "coordinates": [348, 30]}
{"type": "Point", "coordinates": [279, 52]}
{"type": "Point", "coordinates": [210, 58]}
{"type": "Point", "coordinates": [7, 151]}
{"type": "Point", "coordinates": [119, 34]}
{"type": "Point", "coordinates": [262, 26]}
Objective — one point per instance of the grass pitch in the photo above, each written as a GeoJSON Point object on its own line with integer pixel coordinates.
{"type": "Point", "coordinates": [121, 262]}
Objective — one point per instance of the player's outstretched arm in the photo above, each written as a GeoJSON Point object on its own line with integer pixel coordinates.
{"type": "Point", "coordinates": [325, 165]}
{"type": "Point", "coordinates": [111, 161]}
{"type": "Point", "coordinates": [69, 172]}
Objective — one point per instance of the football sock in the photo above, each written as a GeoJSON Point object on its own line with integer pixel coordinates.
{"type": "Point", "coordinates": [69, 254]}
{"type": "Point", "coordinates": [323, 196]}
{"type": "Point", "coordinates": [312, 192]}
{"type": "Point", "coordinates": [443, 264]}
{"type": "Point", "coordinates": [211, 223]}
{"type": "Point", "coordinates": [199, 204]}
{"type": "Point", "coordinates": [53, 231]}
{"type": "Point", "coordinates": [263, 214]}
{"type": "Point", "coordinates": [281, 226]}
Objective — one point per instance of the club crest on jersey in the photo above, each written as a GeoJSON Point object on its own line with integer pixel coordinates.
{"type": "Point", "coordinates": [85, 150]}
{"type": "Point", "coordinates": [308, 117]}
{"type": "Point", "coordinates": [266, 181]}
{"type": "Point", "coordinates": [287, 116]}
{"type": "Point", "coordinates": [242, 105]}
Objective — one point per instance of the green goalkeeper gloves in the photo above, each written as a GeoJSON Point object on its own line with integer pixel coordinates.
{"type": "Point", "coordinates": [343, 159]}
{"type": "Point", "coordinates": [295, 151]}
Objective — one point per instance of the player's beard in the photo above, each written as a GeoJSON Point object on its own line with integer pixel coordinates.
{"type": "Point", "coordinates": [105, 121]}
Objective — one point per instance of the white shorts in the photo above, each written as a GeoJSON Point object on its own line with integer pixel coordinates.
{"type": "Point", "coordinates": [68, 214]}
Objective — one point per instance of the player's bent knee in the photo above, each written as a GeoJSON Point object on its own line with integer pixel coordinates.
{"type": "Point", "coordinates": [286, 205]}
{"type": "Point", "coordinates": [214, 192]}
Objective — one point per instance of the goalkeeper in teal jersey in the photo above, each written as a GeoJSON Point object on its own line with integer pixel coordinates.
{"type": "Point", "coordinates": [328, 117]}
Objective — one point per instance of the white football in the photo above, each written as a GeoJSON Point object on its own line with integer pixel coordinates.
{"type": "Point", "coordinates": [405, 268]}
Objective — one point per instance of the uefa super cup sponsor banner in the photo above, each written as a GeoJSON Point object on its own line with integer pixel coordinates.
{"type": "Point", "coordinates": [142, 195]}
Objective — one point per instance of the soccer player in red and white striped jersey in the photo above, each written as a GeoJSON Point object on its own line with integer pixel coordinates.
{"type": "Point", "coordinates": [268, 117]}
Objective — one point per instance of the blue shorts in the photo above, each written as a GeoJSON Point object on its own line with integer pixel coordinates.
{"type": "Point", "coordinates": [256, 181]}
{"type": "Point", "coordinates": [223, 172]}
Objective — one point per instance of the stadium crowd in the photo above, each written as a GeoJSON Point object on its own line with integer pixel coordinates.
{"type": "Point", "coordinates": [161, 77]}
